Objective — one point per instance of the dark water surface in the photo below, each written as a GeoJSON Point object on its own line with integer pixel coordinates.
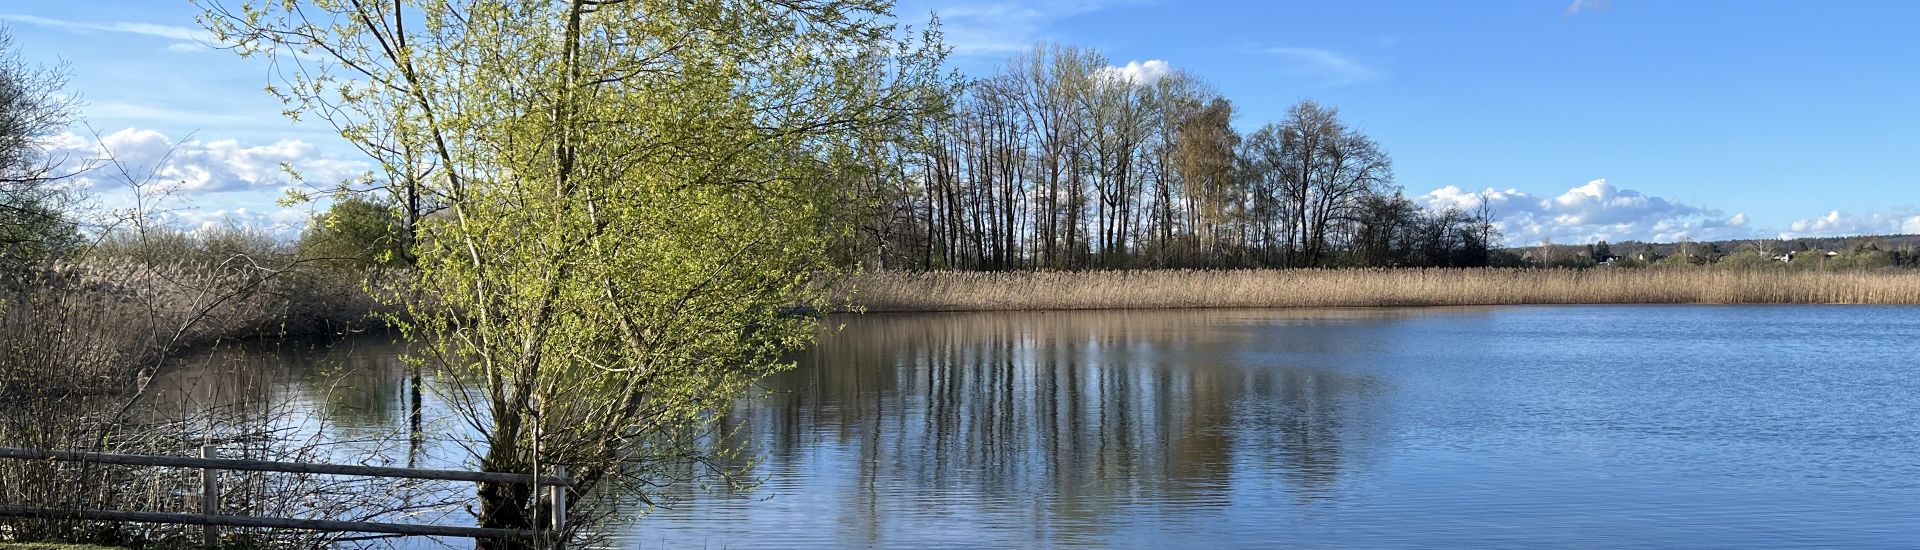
{"type": "Point", "coordinates": [1598, 427]}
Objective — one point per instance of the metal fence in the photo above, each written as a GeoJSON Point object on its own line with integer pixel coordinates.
{"type": "Point", "coordinates": [209, 517]}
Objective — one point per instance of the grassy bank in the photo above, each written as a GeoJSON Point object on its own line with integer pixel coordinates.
{"type": "Point", "coordinates": [1016, 291]}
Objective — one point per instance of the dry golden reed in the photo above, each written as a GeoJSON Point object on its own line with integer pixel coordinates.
{"type": "Point", "coordinates": [1013, 291]}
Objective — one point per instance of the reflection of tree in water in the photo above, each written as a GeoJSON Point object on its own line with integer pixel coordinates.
{"type": "Point", "coordinates": [354, 383]}
{"type": "Point", "coordinates": [1070, 415]}
{"type": "Point", "coordinates": [1299, 433]}
{"type": "Point", "coordinates": [294, 401]}
{"type": "Point", "coordinates": [340, 400]}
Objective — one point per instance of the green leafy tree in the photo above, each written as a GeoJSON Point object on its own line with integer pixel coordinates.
{"type": "Point", "coordinates": [1745, 259]}
{"type": "Point", "coordinates": [634, 190]}
{"type": "Point", "coordinates": [356, 232]}
{"type": "Point", "coordinates": [1863, 254]}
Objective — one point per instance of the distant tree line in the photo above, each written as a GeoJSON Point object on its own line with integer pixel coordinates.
{"type": "Point", "coordinates": [1059, 161]}
{"type": "Point", "coordinates": [1803, 253]}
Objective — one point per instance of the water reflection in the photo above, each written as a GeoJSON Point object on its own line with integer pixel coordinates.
{"type": "Point", "coordinates": [354, 383]}
{"type": "Point", "coordinates": [342, 401]}
{"type": "Point", "coordinates": [1579, 426]}
{"type": "Point", "coordinates": [1058, 421]}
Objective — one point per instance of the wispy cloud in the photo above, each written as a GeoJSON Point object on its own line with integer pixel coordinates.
{"type": "Point", "coordinates": [190, 39]}
{"type": "Point", "coordinates": [148, 113]}
{"type": "Point", "coordinates": [990, 28]}
{"type": "Point", "coordinates": [1586, 5]}
{"type": "Point", "coordinates": [1330, 67]}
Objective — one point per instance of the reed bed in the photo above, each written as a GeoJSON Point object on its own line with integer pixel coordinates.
{"type": "Point", "coordinates": [1276, 288]}
{"type": "Point", "coordinates": [80, 340]}
{"type": "Point", "coordinates": [87, 327]}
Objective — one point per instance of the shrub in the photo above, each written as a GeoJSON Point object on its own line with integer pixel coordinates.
{"type": "Point", "coordinates": [209, 245]}
{"type": "Point", "coordinates": [356, 232]}
{"type": "Point", "coordinates": [1746, 259]}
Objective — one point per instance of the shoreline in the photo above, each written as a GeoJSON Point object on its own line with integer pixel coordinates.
{"type": "Point", "coordinates": [902, 292]}
{"type": "Point", "coordinates": [904, 312]}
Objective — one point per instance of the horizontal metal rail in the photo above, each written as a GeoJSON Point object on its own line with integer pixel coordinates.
{"type": "Point", "coordinates": [289, 467]}
{"type": "Point", "coordinates": [210, 466]}
{"type": "Point", "coordinates": [271, 523]}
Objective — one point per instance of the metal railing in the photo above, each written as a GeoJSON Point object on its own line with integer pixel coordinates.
{"type": "Point", "coordinates": [209, 517]}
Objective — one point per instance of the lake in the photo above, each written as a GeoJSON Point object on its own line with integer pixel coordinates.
{"type": "Point", "coordinates": [1550, 426]}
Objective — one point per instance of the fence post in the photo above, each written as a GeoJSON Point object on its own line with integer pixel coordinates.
{"type": "Point", "coordinates": [557, 498]}
{"type": "Point", "coordinates": [209, 498]}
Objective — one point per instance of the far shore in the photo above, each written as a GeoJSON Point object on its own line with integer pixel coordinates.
{"type": "Point", "coordinates": [893, 291]}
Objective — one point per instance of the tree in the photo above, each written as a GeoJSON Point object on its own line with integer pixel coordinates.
{"type": "Point", "coordinates": [636, 190]}
{"type": "Point", "coordinates": [35, 224]}
{"type": "Point", "coordinates": [1063, 161]}
{"type": "Point", "coordinates": [1263, 168]}
{"type": "Point", "coordinates": [1204, 156]}
{"type": "Point", "coordinates": [1543, 253]}
{"type": "Point", "coordinates": [1389, 228]}
{"type": "Point", "coordinates": [356, 231]}
{"type": "Point", "coordinates": [1329, 169]}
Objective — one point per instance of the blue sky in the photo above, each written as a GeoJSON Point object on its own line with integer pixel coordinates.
{"type": "Point", "coordinates": [1578, 120]}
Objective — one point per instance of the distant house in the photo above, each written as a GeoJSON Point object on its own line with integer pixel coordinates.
{"type": "Point", "coordinates": [1791, 254]}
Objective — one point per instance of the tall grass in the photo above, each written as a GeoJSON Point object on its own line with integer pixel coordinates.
{"type": "Point", "coordinates": [221, 398]}
{"type": "Point", "coordinates": [89, 323]}
{"type": "Point", "coordinates": [79, 344]}
{"type": "Point", "coordinates": [1011, 291]}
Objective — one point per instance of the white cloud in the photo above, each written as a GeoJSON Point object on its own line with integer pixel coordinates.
{"type": "Point", "coordinates": [1836, 223]}
{"type": "Point", "coordinates": [149, 113]}
{"type": "Point", "coordinates": [1327, 66]}
{"type": "Point", "coordinates": [1600, 211]}
{"type": "Point", "coordinates": [1137, 73]}
{"type": "Point", "coordinates": [1586, 5]}
{"type": "Point", "coordinates": [1592, 212]}
{"type": "Point", "coordinates": [201, 167]}
{"type": "Point", "coordinates": [183, 34]}
{"type": "Point", "coordinates": [1600, 203]}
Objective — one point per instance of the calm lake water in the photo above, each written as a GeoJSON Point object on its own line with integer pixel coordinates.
{"type": "Point", "coordinates": [1605, 426]}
